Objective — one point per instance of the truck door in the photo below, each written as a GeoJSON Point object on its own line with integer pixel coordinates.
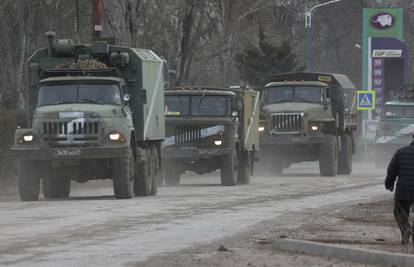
{"type": "Point", "coordinates": [251, 100]}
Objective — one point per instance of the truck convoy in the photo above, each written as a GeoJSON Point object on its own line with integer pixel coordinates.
{"type": "Point", "coordinates": [96, 111]}
{"type": "Point", "coordinates": [209, 128]}
{"type": "Point", "coordinates": [307, 117]}
{"type": "Point", "coordinates": [396, 126]}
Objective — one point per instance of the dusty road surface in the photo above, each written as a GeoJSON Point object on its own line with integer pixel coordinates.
{"type": "Point", "coordinates": [93, 229]}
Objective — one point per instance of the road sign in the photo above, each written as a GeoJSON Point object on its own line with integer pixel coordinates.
{"type": "Point", "coordinates": [366, 100]}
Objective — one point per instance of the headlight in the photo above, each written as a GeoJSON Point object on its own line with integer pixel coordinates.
{"type": "Point", "coordinates": [314, 128]}
{"type": "Point", "coordinates": [218, 142]}
{"type": "Point", "coordinates": [261, 128]}
{"type": "Point", "coordinates": [116, 136]}
{"type": "Point", "coordinates": [26, 139]}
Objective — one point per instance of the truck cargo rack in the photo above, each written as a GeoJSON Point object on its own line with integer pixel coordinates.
{"type": "Point", "coordinates": [111, 72]}
{"type": "Point", "coordinates": [211, 88]}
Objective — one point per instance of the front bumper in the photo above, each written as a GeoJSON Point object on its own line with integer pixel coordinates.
{"type": "Point", "coordinates": [193, 152]}
{"type": "Point", "coordinates": [69, 153]}
{"type": "Point", "coordinates": [292, 140]}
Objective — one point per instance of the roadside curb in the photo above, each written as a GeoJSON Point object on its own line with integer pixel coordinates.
{"type": "Point", "coordinates": [360, 255]}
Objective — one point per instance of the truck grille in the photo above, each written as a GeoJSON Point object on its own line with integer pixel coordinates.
{"type": "Point", "coordinates": [187, 133]}
{"type": "Point", "coordinates": [74, 128]}
{"type": "Point", "coordinates": [287, 122]}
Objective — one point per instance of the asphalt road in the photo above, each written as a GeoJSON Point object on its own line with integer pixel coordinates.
{"type": "Point", "coordinates": [92, 228]}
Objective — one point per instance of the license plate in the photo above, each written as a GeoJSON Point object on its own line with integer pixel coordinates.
{"type": "Point", "coordinates": [68, 152]}
{"type": "Point", "coordinates": [207, 151]}
{"type": "Point", "coordinates": [295, 139]}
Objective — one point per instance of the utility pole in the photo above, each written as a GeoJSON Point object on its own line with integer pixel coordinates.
{"type": "Point", "coordinates": [77, 22]}
{"type": "Point", "coordinates": [308, 26]}
{"type": "Point", "coordinates": [97, 14]}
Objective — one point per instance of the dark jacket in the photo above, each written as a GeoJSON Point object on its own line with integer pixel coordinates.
{"type": "Point", "coordinates": [402, 165]}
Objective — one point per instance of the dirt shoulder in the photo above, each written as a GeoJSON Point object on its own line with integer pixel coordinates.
{"type": "Point", "coordinates": [368, 224]}
{"type": "Point", "coordinates": [365, 225]}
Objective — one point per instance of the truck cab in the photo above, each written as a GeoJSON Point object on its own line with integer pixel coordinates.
{"type": "Point", "coordinates": [209, 129]}
{"type": "Point", "coordinates": [395, 130]}
{"type": "Point", "coordinates": [307, 117]}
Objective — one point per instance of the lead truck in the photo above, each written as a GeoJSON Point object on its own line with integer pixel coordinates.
{"type": "Point", "coordinates": [96, 111]}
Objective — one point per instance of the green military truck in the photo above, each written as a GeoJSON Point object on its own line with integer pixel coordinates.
{"type": "Point", "coordinates": [395, 130]}
{"type": "Point", "coordinates": [96, 111]}
{"type": "Point", "coordinates": [208, 129]}
{"type": "Point", "coordinates": [308, 117]}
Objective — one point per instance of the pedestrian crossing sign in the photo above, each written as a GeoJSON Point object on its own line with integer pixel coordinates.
{"type": "Point", "coordinates": [366, 100]}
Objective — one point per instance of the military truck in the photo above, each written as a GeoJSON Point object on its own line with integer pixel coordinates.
{"type": "Point", "coordinates": [395, 130]}
{"type": "Point", "coordinates": [308, 116]}
{"type": "Point", "coordinates": [209, 128]}
{"type": "Point", "coordinates": [96, 111]}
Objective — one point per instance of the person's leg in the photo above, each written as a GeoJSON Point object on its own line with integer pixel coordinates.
{"type": "Point", "coordinates": [412, 229]}
{"type": "Point", "coordinates": [401, 212]}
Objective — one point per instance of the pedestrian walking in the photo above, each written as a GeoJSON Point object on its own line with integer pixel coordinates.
{"type": "Point", "coordinates": [402, 166]}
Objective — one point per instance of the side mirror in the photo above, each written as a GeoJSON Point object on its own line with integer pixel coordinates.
{"type": "Point", "coordinates": [327, 103]}
{"type": "Point", "coordinates": [127, 97]}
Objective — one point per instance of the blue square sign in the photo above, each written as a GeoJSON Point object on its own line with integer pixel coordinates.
{"type": "Point", "coordinates": [366, 100]}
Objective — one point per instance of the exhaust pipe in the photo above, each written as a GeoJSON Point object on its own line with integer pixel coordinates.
{"type": "Point", "coordinates": [172, 76]}
{"type": "Point", "coordinates": [50, 39]}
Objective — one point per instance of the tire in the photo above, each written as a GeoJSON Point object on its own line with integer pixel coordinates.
{"type": "Point", "coordinates": [345, 156]}
{"type": "Point", "coordinates": [56, 187]}
{"type": "Point", "coordinates": [243, 175]}
{"type": "Point", "coordinates": [172, 175]}
{"type": "Point", "coordinates": [143, 180]}
{"type": "Point", "coordinates": [29, 182]}
{"type": "Point", "coordinates": [122, 176]}
{"type": "Point", "coordinates": [229, 169]}
{"type": "Point", "coordinates": [157, 175]}
{"type": "Point", "coordinates": [328, 156]}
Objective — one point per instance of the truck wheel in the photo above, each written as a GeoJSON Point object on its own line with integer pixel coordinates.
{"type": "Point", "coordinates": [243, 175]}
{"type": "Point", "coordinates": [143, 178]}
{"type": "Point", "coordinates": [328, 156]}
{"type": "Point", "coordinates": [229, 169]}
{"type": "Point", "coordinates": [345, 156]}
{"type": "Point", "coordinates": [172, 175]}
{"type": "Point", "coordinates": [122, 176]}
{"type": "Point", "coordinates": [56, 187]}
{"type": "Point", "coordinates": [29, 182]}
{"type": "Point", "coordinates": [157, 175]}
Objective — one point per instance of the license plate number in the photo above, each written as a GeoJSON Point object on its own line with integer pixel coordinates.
{"type": "Point", "coordinates": [68, 152]}
{"type": "Point", "coordinates": [207, 151]}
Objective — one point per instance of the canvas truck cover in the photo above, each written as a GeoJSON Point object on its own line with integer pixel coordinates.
{"type": "Point", "coordinates": [332, 79]}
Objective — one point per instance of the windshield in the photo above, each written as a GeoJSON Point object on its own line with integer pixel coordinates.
{"type": "Point", "coordinates": [399, 111]}
{"type": "Point", "coordinates": [177, 105]}
{"type": "Point", "coordinates": [200, 105]}
{"type": "Point", "coordinates": [313, 94]}
{"type": "Point", "coordinates": [79, 93]}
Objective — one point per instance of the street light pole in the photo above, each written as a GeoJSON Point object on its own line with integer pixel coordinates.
{"type": "Point", "coordinates": [308, 26]}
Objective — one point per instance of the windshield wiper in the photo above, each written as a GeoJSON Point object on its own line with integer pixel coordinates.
{"type": "Point", "coordinates": [86, 100]}
{"type": "Point", "coordinates": [280, 101]}
{"type": "Point", "coordinates": [58, 103]}
{"type": "Point", "coordinates": [201, 98]}
{"type": "Point", "coordinates": [303, 100]}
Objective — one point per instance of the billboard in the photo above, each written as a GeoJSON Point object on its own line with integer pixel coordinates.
{"type": "Point", "coordinates": [385, 61]}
